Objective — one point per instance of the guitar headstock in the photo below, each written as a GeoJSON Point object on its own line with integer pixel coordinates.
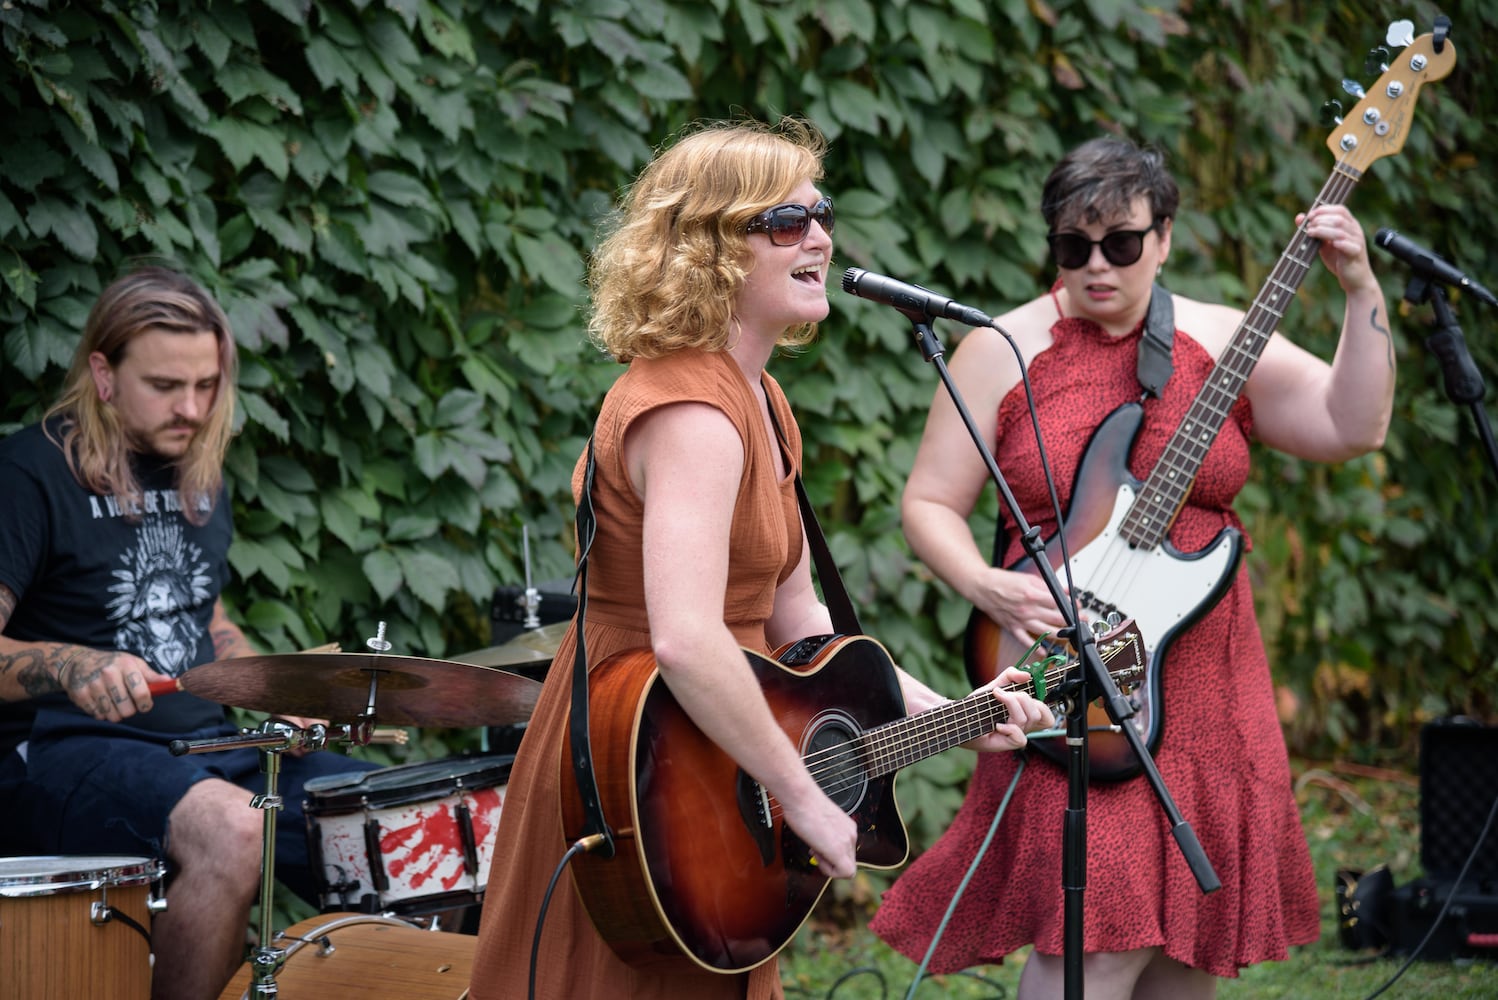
{"type": "Point", "coordinates": [1379, 123]}
{"type": "Point", "coordinates": [1122, 652]}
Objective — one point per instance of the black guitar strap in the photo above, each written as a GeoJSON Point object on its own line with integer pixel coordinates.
{"type": "Point", "coordinates": [1155, 364]}
{"type": "Point", "coordinates": [1154, 369]}
{"type": "Point", "coordinates": [582, 743]}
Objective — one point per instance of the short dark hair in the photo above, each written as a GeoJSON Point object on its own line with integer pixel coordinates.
{"type": "Point", "coordinates": [1099, 180]}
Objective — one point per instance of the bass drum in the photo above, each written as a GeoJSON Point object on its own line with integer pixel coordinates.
{"type": "Point", "coordinates": [360, 956]}
{"type": "Point", "coordinates": [76, 926]}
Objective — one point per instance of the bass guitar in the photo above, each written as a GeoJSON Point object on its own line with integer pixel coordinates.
{"type": "Point", "coordinates": [1115, 526]}
{"type": "Point", "coordinates": [704, 864]}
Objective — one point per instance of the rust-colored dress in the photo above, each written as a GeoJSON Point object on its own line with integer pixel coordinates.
{"type": "Point", "coordinates": [1222, 753]}
{"type": "Point", "coordinates": [574, 962]}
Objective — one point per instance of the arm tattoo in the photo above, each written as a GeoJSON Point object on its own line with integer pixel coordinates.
{"type": "Point", "coordinates": [1389, 340]}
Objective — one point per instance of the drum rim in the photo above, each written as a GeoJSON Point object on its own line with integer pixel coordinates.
{"type": "Point", "coordinates": [83, 872]}
{"type": "Point", "coordinates": [490, 771]}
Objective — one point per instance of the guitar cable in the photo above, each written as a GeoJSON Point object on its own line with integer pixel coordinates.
{"type": "Point", "coordinates": [972, 869]}
{"type": "Point", "coordinates": [581, 846]}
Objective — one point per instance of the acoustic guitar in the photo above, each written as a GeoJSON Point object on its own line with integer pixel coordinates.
{"type": "Point", "coordinates": [704, 865]}
{"type": "Point", "coordinates": [1115, 526]}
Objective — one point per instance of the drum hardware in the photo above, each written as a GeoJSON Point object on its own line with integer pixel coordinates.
{"type": "Point", "coordinates": [530, 600]}
{"type": "Point", "coordinates": [275, 738]}
{"type": "Point", "coordinates": [350, 956]}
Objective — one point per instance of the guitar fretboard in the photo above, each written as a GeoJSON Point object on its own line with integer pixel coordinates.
{"type": "Point", "coordinates": [887, 748]}
{"type": "Point", "coordinates": [1160, 499]}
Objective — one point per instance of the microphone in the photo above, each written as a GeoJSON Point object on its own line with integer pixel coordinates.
{"type": "Point", "coordinates": [914, 301]}
{"type": "Point", "coordinates": [1430, 265]}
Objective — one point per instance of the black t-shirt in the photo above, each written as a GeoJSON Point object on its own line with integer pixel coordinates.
{"type": "Point", "coordinates": [84, 573]}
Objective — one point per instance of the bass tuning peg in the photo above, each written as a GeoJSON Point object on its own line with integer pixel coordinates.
{"type": "Point", "coordinates": [1330, 114]}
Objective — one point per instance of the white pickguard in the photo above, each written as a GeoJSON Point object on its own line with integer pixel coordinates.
{"type": "Point", "coordinates": [1155, 587]}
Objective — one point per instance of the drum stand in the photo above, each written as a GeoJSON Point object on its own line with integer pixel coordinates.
{"type": "Point", "coordinates": [275, 737]}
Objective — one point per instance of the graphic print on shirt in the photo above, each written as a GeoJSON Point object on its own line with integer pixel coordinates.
{"type": "Point", "coordinates": [165, 576]}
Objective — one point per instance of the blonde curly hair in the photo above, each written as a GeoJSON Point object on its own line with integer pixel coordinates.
{"type": "Point", "coordinates": [672, 262]}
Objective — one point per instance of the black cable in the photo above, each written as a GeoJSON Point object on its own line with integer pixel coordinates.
{"type": "Point", "coordinates": [108, 913]}
{"type": "Point", "coordinates": [580, 847]}
{"type": "Point", "coordinates": [1451, 895]}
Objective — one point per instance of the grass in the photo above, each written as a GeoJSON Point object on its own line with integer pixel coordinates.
{"type": "Point", "coordinates": [1354, 818]}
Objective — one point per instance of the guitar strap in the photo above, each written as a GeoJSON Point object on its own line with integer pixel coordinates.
{"type": "Point", "coordinates": [839, 605]}
{"type": "Point", "coordinates": [1154, 346]}
{"type": "Point", "coordinates": [582, 744]}
{"type": "Point", "coordinates": [1154, 368]}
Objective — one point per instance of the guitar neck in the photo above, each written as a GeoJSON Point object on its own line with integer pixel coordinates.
{"type": "Point", "coordinates": [887, 748]}
{"type": "Point", "coordinates": [1153, 512]}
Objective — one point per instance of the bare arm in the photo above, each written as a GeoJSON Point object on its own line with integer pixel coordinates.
{"type": "Point", "coordinates": [228, 638]}
{"type": "Point", "coordinates": [1331, 412]}
{"type": "Point", "coordinates": [949, 475]}
{"type": "Point", "coordinates": [107, 684]}
{"type": "Point", "coordinates": [687, 461]}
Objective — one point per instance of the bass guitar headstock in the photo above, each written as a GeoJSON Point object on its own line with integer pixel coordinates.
{"type": "Point", "coordinates": [1379, 123]}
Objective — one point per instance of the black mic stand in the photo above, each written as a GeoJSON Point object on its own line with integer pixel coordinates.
{"type": "Point", "coordinates": [1092, 676]}
{"type": "Point", "coordinates": [1463, 381]}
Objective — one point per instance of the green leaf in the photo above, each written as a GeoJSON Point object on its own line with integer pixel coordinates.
{"type": "Point", "coordinates": [69, 223]}
{"type": "Point", "coordinates": [383, 571]}
{"type": "Point", "coordinates": [427, 576]}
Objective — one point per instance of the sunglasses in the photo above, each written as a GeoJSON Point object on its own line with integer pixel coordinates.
{"type": "Point", "coordinates": [788, 224]}
{"type": "Point", "coordinates": [1121, 247]}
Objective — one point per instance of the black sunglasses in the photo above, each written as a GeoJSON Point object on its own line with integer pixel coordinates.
{"type": "Point", "coordinates": [788, 224]}
{"type": "Point", "coordinates": [1121, 247]}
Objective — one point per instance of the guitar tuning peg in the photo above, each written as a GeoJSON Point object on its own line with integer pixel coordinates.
{"type": "Point", "coordinates": [1377, 61]}
{"type": "Point", "coordinates": [1400, 34]}
{"type": "Point", "coordinates": [1330, 114]}
{"type": "Point", "coordinates": [1354, 88]}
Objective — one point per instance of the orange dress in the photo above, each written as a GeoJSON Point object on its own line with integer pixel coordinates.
{"type": "Point", "coordinates": [574, 963]}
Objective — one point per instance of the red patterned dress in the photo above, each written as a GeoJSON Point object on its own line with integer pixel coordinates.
{"type": "Point", "coordinates": [1222, 754]}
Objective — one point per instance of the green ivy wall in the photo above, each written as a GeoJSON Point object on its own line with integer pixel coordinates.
{"type": "Point", "coordinates": [395, 201]}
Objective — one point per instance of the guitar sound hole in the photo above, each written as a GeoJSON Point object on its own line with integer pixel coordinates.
{"type": "Point", "coordinates": [832, 756]}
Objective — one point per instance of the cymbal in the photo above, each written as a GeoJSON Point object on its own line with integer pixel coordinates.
{"type": "Point", "coordinates": [538, 645]}
{"type": "Point", "coordinates": [410, 690]}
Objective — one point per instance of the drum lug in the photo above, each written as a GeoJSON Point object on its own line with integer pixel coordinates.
{"type": "Point", "coordinates": [155, 904]}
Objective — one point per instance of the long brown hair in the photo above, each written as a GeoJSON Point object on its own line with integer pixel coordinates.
{"type": "Point", "coordinates": [668, 272]}
{"type": "Point", "coordinates": [97, 449]}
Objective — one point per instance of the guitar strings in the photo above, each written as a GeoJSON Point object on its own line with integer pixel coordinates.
{"type": "Point", "coordinates": [1152, 513]}
{"type": "Point", "coordinates": [887, 748]}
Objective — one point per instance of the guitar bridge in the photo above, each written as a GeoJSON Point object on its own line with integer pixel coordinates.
{"type": "Point", "coordinates": [754, 809]}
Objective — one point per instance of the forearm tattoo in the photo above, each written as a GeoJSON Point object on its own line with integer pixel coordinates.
{"type": "Point", "coordinates": [229, 642]}
{"type": "Point", "coordinates": [47, 667]}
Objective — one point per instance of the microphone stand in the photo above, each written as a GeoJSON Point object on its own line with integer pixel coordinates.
{"type": "Point", "coordinates": [1463, 381]}
{"type": "Point", "coordinates": [1093, 676]}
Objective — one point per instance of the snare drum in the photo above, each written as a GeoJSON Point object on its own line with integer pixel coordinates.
{"type": "Point", "coordinates": [344, 956]}
{"type": "Point", "coordinates": [66, 926]}
{"type": "Point", "coordinates": [415, 838]}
